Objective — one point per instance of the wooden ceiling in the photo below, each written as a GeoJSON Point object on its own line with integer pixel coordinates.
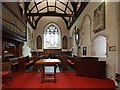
{"type": "Point", "coordinates": [68, 10]}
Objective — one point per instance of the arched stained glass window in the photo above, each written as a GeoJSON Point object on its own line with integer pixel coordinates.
{"type": "Point", "coordinates": [51, 36]}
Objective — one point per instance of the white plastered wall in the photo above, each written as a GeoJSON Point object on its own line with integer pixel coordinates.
{"type": "Point", "coordinates": [45, 21]}
{"type": "Point", "coordinates": [119, 38]}
{"type": "Point", "coordinates": [111, 32]}
{"type": "Point", "coordinates": [28, 45]}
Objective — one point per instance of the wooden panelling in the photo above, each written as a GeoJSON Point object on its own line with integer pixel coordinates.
{"type": "Point", "coordinates": [11, 48]}
{"type": "Point", "coordinates": [51, 51]}
{"type": "Point", "coordinates": [13, 26]}
{"type": "Point", "coordinates": [96, 69]}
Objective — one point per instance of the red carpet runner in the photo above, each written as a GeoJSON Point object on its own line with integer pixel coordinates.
{"type": "Point", "coordinates": [64, 80]}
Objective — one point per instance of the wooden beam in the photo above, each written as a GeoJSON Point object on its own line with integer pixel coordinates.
{"type": "Point", "coordinates": [37, 21]}
{"type": "Point", "coordinates": [50, 14]}
{"type": "Point", "coordinates": [66, 22]}
{"type": "Point", "coordinates": [47, 5]}
{"type": "Point", "coordinates": [36, 6]}
{"type": "Point", "coordinates": [65, 5]}
{"type": "Point", "coordinates": [82, 7]}
{"type": "Point", "coordinates": [74, 4]}
{"type": "Point", "coordinates": [31, 23]}
{"type": "Point", "coordinates": [55, 5]}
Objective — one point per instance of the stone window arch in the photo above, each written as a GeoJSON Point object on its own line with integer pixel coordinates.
{"type": "Point", "coordinates": [52, 36]}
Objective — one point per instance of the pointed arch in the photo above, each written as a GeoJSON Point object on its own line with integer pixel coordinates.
{"type": "Point", "coordinates": [99, 45]}
{"type": "Point", "coordinates": [64, 42]}
{"type": "Point", "coordinates": [52, 36]}
{"type": "Point", "coordinates": [86, 30]}
{"type": "Point", "coordinates": [39, 42]}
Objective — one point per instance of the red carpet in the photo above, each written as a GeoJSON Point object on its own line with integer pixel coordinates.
{"type": "Point", "coordinates": [64, 80]}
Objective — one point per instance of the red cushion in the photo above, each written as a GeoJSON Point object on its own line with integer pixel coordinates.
{"type": "Point", "coordinates": [70, 62]}
{"type": "Point", "coordinates": [31, 61]}
{"type": "Point", "coordinates": [26, 64]}
{"type": "Point", "coordinates": [4, 73]}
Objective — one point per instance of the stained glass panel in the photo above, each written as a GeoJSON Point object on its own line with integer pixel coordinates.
{"type": "Point", "coordinates": [51, 37]}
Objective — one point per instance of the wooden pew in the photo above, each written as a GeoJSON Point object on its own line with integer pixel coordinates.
{"type": "Point", "coordinates": [89, 68]}
{"type": "Point", "coordinates": [23, 63]}
{"type": "Point", "coordinates": [63, 63]}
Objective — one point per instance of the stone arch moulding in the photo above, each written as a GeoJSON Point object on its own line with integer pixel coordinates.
{"type": "Point", "coordinates": [92, 40]}
{"type": "Point", "coordinates": [59, 31]}
{"type": "Point", "coordinates": [82, 27]}
{"type": "Point", "coordinates": [95, 37]}
{"type": "Point", "coordinates": [83, 20]}
{"type": "Point", "coordinates": [51, 23]}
